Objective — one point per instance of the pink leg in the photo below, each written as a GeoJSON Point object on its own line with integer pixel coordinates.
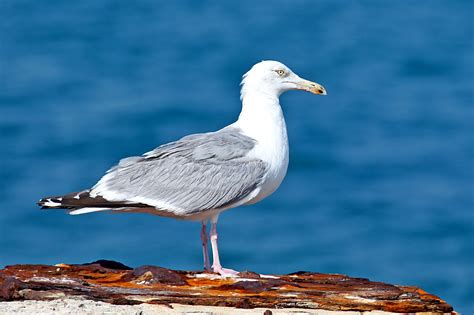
{"type": "Point", "coordinates": [205, 252]}
{"type": "Point", "coordinates": [216, 266]}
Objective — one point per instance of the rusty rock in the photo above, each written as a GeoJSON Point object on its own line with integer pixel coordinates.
{"type": "Point", "coordinates": [147, 275]}
{"type": "Point", "coordinates": [9, 289]}
{"type": "Point", "coordinates": [116, 283]}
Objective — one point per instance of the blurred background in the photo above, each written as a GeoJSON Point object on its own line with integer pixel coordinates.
{"type": "Point", "coordinates": [380, 182]}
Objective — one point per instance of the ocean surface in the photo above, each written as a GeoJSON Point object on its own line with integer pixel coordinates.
{"type": "Point", "coordinates": [380, 181]}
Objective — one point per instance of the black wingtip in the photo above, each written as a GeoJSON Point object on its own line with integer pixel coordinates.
{"type": "Point", "coordinates": [50, 203]}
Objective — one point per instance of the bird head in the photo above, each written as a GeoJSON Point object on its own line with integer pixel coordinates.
{"type": "Point", "coordinates": [273, 77]}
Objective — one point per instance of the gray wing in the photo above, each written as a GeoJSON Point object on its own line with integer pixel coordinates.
{"type": "Point", "coordinates": [196, 173]}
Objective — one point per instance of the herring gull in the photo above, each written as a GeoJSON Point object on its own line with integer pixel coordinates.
{"type": "Point", "coordinates": [199, 176]}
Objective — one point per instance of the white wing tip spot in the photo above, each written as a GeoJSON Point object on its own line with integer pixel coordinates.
{"type": "Point", "coordinates": [50, 203]}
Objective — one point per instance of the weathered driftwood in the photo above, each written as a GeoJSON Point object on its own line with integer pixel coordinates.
{"type": "Point", "coordinates": [116, 283]}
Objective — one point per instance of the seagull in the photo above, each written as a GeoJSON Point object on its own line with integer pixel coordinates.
{"type": "Point", "coordinates": [201, 175]}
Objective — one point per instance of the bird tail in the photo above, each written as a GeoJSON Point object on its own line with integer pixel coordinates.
{"type": "Point", "coordinates": [82, 202]}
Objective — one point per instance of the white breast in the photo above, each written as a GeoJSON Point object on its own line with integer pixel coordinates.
{"type": "Point", "coordinates": [263, 121]}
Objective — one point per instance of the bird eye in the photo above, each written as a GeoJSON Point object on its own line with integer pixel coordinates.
{"type": "Point", "coordinates": [280, 72]}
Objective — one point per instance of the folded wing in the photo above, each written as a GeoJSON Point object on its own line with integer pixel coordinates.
{"type": "Point", "coordinates": [194, 174]}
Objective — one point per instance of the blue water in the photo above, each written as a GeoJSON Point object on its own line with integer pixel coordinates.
{"type": "Point", "coordinates": [380, 182]}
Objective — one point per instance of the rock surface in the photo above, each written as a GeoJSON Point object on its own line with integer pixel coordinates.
{"type": "Point", "coordinates": [115, 283]}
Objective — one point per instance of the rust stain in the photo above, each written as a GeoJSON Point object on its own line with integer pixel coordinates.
{"type": "Point", "coordinates": [116, 283]}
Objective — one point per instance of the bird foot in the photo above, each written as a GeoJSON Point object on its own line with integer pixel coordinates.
{"type": "Point", "coordinates": [228, 273]}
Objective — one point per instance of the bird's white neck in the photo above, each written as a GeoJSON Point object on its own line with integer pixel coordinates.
{"type": "Point", "coordinates": [261, 117]}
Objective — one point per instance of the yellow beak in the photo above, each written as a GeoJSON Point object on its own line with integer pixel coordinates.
{"type": "Point", "coordinates": [309, 86]}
